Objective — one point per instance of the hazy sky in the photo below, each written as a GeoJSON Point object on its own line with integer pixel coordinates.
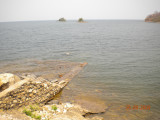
{"type": "Point", "coordinates": [23, 10]}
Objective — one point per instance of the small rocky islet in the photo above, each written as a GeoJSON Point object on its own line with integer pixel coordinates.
{"type": "Point", "coordinates": [80, 20]}
{"type": "Point", "coordinates": [62, 20]}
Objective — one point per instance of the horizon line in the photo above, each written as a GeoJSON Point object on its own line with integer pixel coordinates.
{"type": "Point", "coordinates": [66, 20]}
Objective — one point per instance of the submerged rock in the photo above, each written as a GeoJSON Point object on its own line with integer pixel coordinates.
{"type": "Point", "coordinates": [53, 102]}
{"type": "Point", "coordinates": [92, 104]}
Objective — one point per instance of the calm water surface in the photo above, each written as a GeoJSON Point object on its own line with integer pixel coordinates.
{"type": "Point", "coordinates": [123, 57]}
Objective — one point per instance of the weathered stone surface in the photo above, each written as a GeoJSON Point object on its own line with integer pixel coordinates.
{"type": "Point", "coordinates": [91, 103]}
{"type": "Point", "coordinates": [33, 90]}
{"type": "Point", "coordinates": [53, 102]}
{"type": "Point", "coordinates": [64, 111]}
{"type": "Point", "coordinates": [62, 20]}
{"type": "Point", "coordinates": [7, 79]}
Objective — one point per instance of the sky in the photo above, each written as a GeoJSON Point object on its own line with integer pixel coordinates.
{"type": "Point", "coordinates": [28, 10]}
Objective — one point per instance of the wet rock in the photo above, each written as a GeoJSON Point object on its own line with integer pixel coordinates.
{"type": "Point", "coordinates": [53, 102]}
{"type": "Point", "coordinates": [96, 118]}
{"type": "Point", "coordinates": [67, 88]}
{"type": "Point", "coordinates": [93, 104]}
{"type": "Point", "coordinates": [64, 111]}
{"type": "Point", "coordinates": [28, 75]}
{"type": "Point", "coordinates": [62, 83]}
{"type": "Point", "coordinates": [48, 76]}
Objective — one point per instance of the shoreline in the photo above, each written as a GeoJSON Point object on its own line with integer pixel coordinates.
{"type": "Point", "coordinates": [29, 79]}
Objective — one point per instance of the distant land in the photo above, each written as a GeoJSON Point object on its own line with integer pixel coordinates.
{"type": "Point", "coordinates": [80, 20]}
{"type": "Point", "coordinates": [155, 17]}
{"type": "Point", "coordinates": [62, 20]}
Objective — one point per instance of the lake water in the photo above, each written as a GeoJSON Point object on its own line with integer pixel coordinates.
{"type": "Point", "coordinates": [123, 59]}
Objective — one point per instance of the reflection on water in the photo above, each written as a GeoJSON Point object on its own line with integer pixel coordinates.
{"type": "Point", "coordinates": [123, 60]}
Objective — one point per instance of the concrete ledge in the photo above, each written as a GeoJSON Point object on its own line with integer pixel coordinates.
{"type": "Point", "coordinates": [13, 87]}
{"type": "Point", "coordinates": [35, 90]}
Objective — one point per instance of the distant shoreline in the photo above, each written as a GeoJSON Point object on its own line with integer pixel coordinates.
{"type": "Point", "coordinates": [74, 20]}
{"type": "Point", "coordinates": [155, 17]}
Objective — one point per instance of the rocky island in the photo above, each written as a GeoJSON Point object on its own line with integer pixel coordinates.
{"type": "Point", "coordinates": [62, 20]}
{"type": "Point", "coordinates": [81, 20]}
{"type": "Point", "coordinates": [155, 17]}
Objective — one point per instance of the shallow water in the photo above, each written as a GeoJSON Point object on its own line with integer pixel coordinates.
{"type": "Point", "coordinates": [123, 57]}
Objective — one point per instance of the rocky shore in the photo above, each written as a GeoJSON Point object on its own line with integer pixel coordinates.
{"type": "Point", "coordinates": [155, 17]}
{"type": "Point", "coordinates": [64, 111]}
{"type": "Point", "coordinates": [25, 96]}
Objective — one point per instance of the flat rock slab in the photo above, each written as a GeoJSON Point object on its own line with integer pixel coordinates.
{"type": "Point", "coordinates": [91, 103]}
{"type": "Point", "coordinates": [32, 89]}
{"type": "Point", "coordinates": [7, 79]}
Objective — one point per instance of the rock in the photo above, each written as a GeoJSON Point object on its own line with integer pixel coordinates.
{"type": "Point", "coordinates": [28, 75]}
{"type": "Point", "coordinates": [30, 90]}
{"type": "Point", "coordinates": [155, 17]}
{"type": "Point", "coordinates": [97, 118]}
{"type": "Point", "coordinates": [30, 95]}
{"type": "Point", "coordinates": [45, 85]}
{"type": "Point", "coordinates": [53, 102]}
{"type": "Point", "coordinates": [65, 111]}
{"type": "Point", "coordinates": [67, 88]}
{"type": "Point", "coordinates": [34, 91]}
{"type": "Point", "coordinates": [80, 20]}
{"type": "Point", "coordinates": [68, 105]}
{"type": "Point", "coordinates": [15, 101]}
{"type": "Point", "coordinates": [62, 20]}
{"type": "Point", "coordinates": [55, 81]}
{"type": "Point", "coordinates": [7, 79]}
{"type": "Point", "coordinates": [62, 83]}
{"type": "Point", "coordinates": [91, 103]}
